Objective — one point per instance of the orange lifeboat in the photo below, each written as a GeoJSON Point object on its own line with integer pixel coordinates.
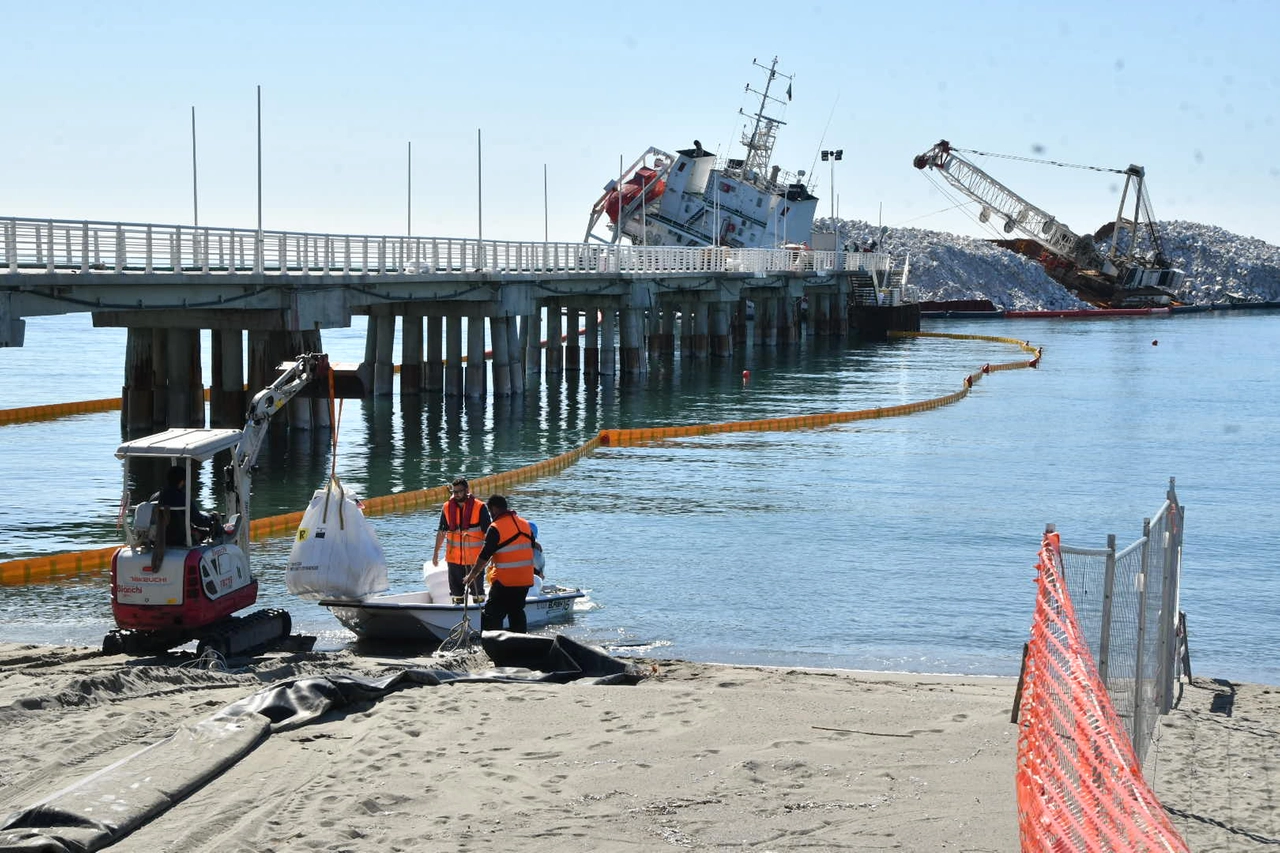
{"type": "Point", "coordinates": [645, 180]}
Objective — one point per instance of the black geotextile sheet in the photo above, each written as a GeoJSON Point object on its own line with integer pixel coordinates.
{"type": "Point", "coordinates": [100, 809]}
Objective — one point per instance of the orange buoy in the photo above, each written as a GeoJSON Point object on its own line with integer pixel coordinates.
{"type": "Point", "coordinates": [746, 376]}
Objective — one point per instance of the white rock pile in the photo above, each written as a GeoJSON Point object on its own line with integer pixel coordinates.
{"type": "Point", "coordinates": [1220, 266]}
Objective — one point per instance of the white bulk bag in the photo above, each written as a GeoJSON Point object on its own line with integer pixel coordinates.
{"type": "Point", "coordinates": [437, 581]}
{"type": "Point", "coordinates": [336, 553]}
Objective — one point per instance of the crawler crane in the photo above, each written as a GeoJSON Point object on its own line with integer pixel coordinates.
{"type": "Point", "coordinates": [1135, 276]}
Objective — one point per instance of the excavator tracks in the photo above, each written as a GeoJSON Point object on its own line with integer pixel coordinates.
{"type": "Point", "coordinates": [230, 637]}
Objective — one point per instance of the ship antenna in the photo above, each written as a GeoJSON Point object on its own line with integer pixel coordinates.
{"type": "Point", "coordinates": [760, 141]}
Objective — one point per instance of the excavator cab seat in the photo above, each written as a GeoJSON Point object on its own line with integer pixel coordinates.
{"type": "Point", "coordinates": [145, 517]}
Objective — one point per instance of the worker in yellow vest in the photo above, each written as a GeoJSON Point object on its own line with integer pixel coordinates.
{"type": "Point", "coordinates": [510, 543]}
{"type": "Point", "coordinates": [464, 520]}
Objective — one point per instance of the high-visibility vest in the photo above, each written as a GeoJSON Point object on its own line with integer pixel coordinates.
{"type": "Point", "coordinates": [464, 538]}
{"type": "Point", "coordinates": [513, 561]}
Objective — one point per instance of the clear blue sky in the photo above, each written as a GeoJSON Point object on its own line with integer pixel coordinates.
{"type": "Point", "coordinates": [98, 97]}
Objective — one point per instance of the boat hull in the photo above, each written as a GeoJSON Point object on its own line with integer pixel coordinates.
{"type": "Point", "coordinates": [413, 617]}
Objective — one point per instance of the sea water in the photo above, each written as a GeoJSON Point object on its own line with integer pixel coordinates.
{"type": "Point", "coordinates": [896, 544]}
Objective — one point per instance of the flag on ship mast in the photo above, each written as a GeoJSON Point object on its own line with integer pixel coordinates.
{"type": "Point", "coordinates": [788, 91]}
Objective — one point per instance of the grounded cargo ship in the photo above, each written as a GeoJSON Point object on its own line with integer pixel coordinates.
{"type": "Point", "coordinates": [694, 198]}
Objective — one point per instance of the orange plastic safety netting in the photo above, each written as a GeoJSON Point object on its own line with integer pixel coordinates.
{"type": "Point", "coordinates": [1079, 784]}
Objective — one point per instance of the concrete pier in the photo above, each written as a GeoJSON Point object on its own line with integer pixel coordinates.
{"type": "Point", "coordinates": [454, 379]}
{"type": "Point", "coordinates": [532, 334]}
{"type": "Point", "coordinates": [591, 344]}
{"type": "Point", "coordinates": [136, 397]}
{"type": "Point", "coordinates": [626, 319]}
{"type": "Point", "coordinates": [631, 346]}
{"type": "Point", "coordinates": [382, 327]}
{"type": "Point", "coordinates": [433, 378]}
{"type": "Point", "coordinates": [476, 387]}
{"type": "Point", "coordinates": [608, 343]}
{"type": "Point", "coordinates": [555, 352]}
{"type": "Point", "coordinates": [501, 356]}
{"type": "Point", "coordinates": [721, 341]}
{"type": "Point", "coordinates": [227, 398]}
{"type": "Point", "coordinates": [411, 373]}
{"type": "Point", "coordinates": [516, 368]}
{"type": "Point", "coordinates": [572, 342]}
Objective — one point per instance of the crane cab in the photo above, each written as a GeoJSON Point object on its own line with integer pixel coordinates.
{"type": "Point", "coordinates": [170, 581]}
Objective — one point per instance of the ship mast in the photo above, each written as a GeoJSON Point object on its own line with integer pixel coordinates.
{"type": "Point", "coordinates": [760, 140]}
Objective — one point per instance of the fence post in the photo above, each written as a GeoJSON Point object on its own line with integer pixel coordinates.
{"type": "Point", "coordinates": [1169, 604]}
{"type": "Point", "coordinates": [1138, 733]}
{"type": "Point", "coordinates": [1108, 597]}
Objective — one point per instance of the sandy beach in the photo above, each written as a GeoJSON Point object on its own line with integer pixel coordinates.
{"type": "Point", "coordinates": [694, 756]}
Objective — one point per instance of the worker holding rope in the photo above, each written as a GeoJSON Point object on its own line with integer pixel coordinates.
{"type": "Point", "coordinates": [510, 543]}
{"type": "Point", "coordinates": [464, 520]}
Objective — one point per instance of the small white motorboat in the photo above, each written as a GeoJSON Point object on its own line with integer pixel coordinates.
{"type": "Point", "coordinates": [426, 616]}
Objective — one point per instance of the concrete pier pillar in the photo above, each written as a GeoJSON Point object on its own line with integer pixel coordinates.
{"type": "Point", "coordinates": [501, 356]}
{"type": "Point", "coordinates": [365, 371]}
{"type": "Point", "coordinates": [260, 372]}
{"type": "Point", "coordinates": [701, 323]}
{"type": "Point", "coordinates": [531, 332]}
{"type": "Point", "coordinates": [685, 329]}
{"type": "Point", "coordinates": [555, 352]}
{"type": "Point", "coordinates": [767, 321]}
{"type": "Point", "coordinates": [665, 342]}
{"type": "Point", "coordinates": [433, 378]}
{"type": "Point", "coordinates": [182, 371]}
{"type": "Point", "coordinates": [572, 341]}
{"type": "Point", "coordinates": [788, 320]}
{"type": "Point", "coordinates": [591, 344]}
{"type": "Point", "coordinates": [227, 403]}
{"type": "Point", "coordinates": [454, 365]}
{"type": "Point", "coordinates": [292, 345]}
{"type": "Point", "coordinates": [631, 351]}
{"type": "Point", "coordinates": [475, 372]}
{"type": "Point", "coordinates": [515, 351]}
{"type": "Point", "coordinates": [318, 393]}
{"type": "Point", "coordinates": [411, 352]}
{"type": "Point", "coordinates": [818, 316]}
{"type": "Point", "coordinates": [384, 368]}
{"type": "Point", "coordinates": [721, 341]}
{"type": "Point", "coordinates": [608, 342]}
{"type": "Point", "coordinates": [160, 364]}
{"type": "Point", "coordinates": [739, 327]}
{"type": "Point", "coordinates": [137, 394]}
{"type": "Point", "coordinates": [840, 309]}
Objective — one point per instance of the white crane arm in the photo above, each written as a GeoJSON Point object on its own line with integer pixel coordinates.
{"type": "Point", "coordinates": [1019, 215]}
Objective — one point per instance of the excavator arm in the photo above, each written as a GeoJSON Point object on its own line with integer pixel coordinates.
{"type": "Point", "coordinates": [265, 403]}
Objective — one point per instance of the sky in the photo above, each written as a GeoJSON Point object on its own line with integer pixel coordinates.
{"type": "Point", "coordinates": [488, 96]}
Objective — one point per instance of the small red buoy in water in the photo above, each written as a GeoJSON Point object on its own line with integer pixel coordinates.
{"type": "Point", "coordinates": [1155, 343]}
{"type": "Point", "coordinates": [746, 376]}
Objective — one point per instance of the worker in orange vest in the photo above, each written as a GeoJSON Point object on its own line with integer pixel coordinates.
{"type": "Point", "coordinates": [464, 520]}
{"type": "Point", "coordinates": [510, 543]}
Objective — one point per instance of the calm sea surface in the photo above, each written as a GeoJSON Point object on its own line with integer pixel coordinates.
{"type": "Point", "coordinates": [901, 544]}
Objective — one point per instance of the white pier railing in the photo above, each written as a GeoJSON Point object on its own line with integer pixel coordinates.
{"type": "Point", "coordinates": [51, 245]}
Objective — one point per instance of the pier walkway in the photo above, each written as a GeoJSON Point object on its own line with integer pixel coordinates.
{"type": "Point", "coordinates": [278, 290]}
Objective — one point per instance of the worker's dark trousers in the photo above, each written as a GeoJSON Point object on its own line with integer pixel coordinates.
{"type": "Point", "coordinates": [505, 602]}
{"type": "Point", "coordinates": [457, 574]}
